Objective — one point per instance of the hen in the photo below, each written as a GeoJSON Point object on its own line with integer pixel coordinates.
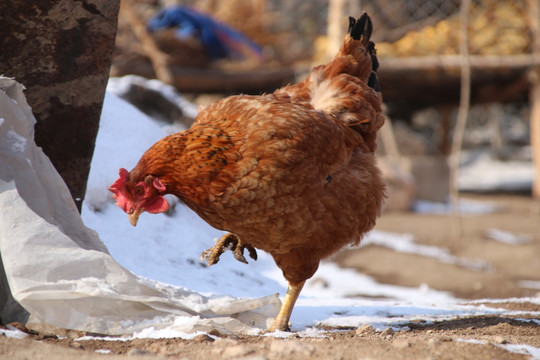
{"type": "Point", "coordinates": [292, 173]}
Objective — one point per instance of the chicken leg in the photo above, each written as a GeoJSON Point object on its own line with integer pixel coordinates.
{"type": "Point", "coordinates": [228, 242]}
{"type": "Point", "coordinates": [281, 322]}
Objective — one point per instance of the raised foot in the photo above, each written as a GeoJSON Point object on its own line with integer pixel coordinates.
{"type": "Point", "coordinates": [228, 242]}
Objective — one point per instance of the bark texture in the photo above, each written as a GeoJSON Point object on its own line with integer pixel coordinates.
{"type": "Point", "coordinates": [61, 50]}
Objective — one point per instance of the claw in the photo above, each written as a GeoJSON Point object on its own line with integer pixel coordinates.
{"type": "Point", "coordinates": [211, 256]}
{"type": "Point", "coordinates": [252, 252]}
{"type": "Point", "coordinates": [228, 242]}
{"type": "Point", "coordinates": [239, 255]}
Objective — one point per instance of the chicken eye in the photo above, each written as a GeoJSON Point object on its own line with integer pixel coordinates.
{"type": "Point", "coordinates": [139, 190]}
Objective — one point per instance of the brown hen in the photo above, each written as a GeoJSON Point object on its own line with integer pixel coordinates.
{"type": "Point", "coordinates": [292, 173]}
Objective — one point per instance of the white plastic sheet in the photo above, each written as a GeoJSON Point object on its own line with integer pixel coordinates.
{"type": "Point", "coordinates": [61, 272]}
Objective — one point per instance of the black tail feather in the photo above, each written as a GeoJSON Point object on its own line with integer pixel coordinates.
{"type": "Point", "coordinates": [361, 29]}
{"type": "Point", "coordinates": [373, 53]}
{"type": "Point", "coordinates": [352, 22]}
{"type": "Point", "coordinates": [373, 82]}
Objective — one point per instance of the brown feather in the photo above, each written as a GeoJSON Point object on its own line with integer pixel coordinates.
{"type": "Point", "coordinates": [292, 173]}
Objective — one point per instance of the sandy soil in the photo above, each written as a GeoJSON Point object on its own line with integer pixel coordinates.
{"type": "Point", "coordinates": [450, 339]}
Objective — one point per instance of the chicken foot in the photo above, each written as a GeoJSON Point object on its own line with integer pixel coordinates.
{"type": "Point", "coordinates": [228, 242]}
{"type": "Point", "coordinates": [281, 322]}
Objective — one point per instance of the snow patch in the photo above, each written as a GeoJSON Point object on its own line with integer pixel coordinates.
{"type": "Point", "coordinates": [167, 333]}
{"type": "Point", "coordinates": [507, 237]}
{"type": "Point", "coordinates": [103, 351]}
{"type": "Point", "coordinates": [469, 207]}
{"type": "Point", "coordinates": [405, 243]}
{"type": "Point", "coordinates": [480, 172]}
{"type": "Point", "coordinates": [13, 333]}
{"type": "Point", "coordinates": [521, 349]}
{"type": "Point", "coordinates": [530, 284]}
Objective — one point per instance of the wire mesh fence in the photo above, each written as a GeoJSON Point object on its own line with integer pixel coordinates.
{"type": "Point", "coordinates": [404, 28]}
{"type": "Point", "coordinates": [430, 27]}
{"type": "Point", "coordinates": [290, 28]}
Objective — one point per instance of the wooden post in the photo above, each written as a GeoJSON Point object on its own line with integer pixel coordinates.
{"type": "Point", "coordinates": [534, 99]}
{"type": "Point", "coordinates": [336, 27]}
{"type": "Point", "coordinates": [159, 59]}
{"type": "Point", "coordinates": [61, 51]}
{"type": "Point", "coordinates": [534, 94]}
{"type": "Point", "coordinates": [461, 122]}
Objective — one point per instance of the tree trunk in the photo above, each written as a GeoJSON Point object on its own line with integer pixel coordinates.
{"type": "Point", "coordinates": [534, 95]}
{"type": "Point", "coordinates": [61, 51]}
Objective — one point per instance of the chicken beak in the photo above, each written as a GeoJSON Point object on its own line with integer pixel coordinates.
{"type": "Point", "coordinates": [134, 216]}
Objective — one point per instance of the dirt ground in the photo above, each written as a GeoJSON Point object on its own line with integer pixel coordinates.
{"type": "Point", "coordinates": [479, 337]}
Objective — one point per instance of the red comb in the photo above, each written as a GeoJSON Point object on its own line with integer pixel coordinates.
{"type": "Point", "coordinates": [118, 188]}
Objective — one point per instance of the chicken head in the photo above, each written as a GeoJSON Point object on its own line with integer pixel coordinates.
{"type": "Point", "coordinates": [134, 199]}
